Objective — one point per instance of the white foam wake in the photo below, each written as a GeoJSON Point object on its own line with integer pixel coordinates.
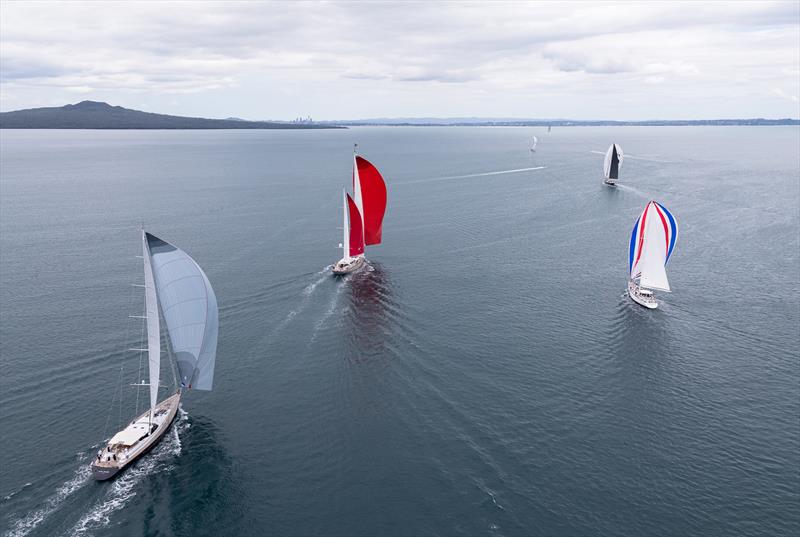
{"type": "Point", "coordinates": [330, 311]}
{"type": "Point", "coordinates": [308, 290]}
{"type": "Point", "coordinates": [25, 525]}
{"type": "Point", "coordinates": [483, 174]}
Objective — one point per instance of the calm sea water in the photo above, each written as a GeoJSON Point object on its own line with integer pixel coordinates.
{"type": "Point", "coordinates": [488, 376]}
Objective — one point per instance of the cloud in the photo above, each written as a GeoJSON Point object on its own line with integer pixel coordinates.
{"type": "Point", "coordinates": [400, 59]}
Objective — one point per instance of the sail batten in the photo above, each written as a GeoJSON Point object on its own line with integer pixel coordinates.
{"type": "Point", "coordinates": [190, 312]}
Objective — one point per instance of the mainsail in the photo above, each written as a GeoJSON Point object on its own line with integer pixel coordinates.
{"type": "Point", "coordinates": [189, 308]}
{"type": "Point", "coordinates": [370, 198]}
{"type": "Point", "coordinates": [613, 162]}
{"type": "Point", "coordinates": [533, 143]}
{"type": "Point", "coordinates": [153, 325]}
{"type": "Point", "coordinates": [652, 242]}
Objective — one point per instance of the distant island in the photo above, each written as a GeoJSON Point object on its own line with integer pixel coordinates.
{"type": "Point", "coordinates": [99, 115]}
{"type": "Point", "coordinates": [516, 122]}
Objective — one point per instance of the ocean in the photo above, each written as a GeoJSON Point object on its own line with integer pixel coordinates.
{"type": "Point", "coordinates": [487, 375]}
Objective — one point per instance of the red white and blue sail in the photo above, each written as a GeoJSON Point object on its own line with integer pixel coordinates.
{"type": "Point", "coordinates": [652, 242]}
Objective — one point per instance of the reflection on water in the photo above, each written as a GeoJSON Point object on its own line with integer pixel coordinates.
{"type": "Point", "coordinates": [202, 488]}
{"type": "Point", "coordinates": [370, 311]}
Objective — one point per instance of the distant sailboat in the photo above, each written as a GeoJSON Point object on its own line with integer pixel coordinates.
{"type": "Point", "coordinates": [652, 242]}
{"type": "Point", "coordinates": [549, 128]}
{"type": "Point", "coordinates": [174, 281]}
{"type": "Point", "coordinates": [612, 164]}
{"type": "Point", "coordinates": [365, 215]}
{"type": "Point", "coordinates": [533, 144]}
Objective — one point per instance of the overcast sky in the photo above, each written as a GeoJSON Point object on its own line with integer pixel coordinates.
{"type": "Point", "coordinates": [339, 60]}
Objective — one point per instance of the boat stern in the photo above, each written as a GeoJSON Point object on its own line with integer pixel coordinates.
{"type": "Point", "coordinates": [103, 472]}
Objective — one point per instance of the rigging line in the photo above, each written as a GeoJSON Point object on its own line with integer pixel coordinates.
{"type": "Point", "coordinates": [111, 405]}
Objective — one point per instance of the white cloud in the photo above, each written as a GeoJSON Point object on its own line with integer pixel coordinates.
{"type": "Point", "coordinates": [273, 60]}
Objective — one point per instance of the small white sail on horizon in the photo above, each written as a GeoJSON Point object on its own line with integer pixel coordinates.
{"type": "Point", "coordinates": [534, 143]}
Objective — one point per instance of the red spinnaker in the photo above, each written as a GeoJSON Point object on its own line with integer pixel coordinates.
{"type": "Point", "coordinates": [373, 200]}
{"type": "Point", "coordinates": [356, 233]}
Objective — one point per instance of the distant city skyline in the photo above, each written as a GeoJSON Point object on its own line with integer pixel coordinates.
{"type": "Point", "coordinates": [346, 60]}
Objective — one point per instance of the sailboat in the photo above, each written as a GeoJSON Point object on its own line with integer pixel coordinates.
{"type": "Point", "coordinates": [174, 281]}
{"type": "Point", "coordinates": [363, 219]}
{"type": "Point", "coordinates": [549, 128]}
{"type": "Point", "coordinates": [533, 144]}
{"type": "Point", "coordinates": [652, 242]}
{"type": "Point", "coordinates": [612, 164]}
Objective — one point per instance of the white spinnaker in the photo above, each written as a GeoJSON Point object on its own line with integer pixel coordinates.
{"type": "Point", "coordinates": [346, 228]}
{"type": "Point", "coordinates": [653, 274]}
{"type": "Point", "coordinates": [190, 312]}
{"type": "Point", "coordinates": [153, 328]}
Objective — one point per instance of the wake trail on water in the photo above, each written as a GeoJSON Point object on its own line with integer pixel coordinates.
{"type": "Point", "coordinates": [645, 159]}
{"type": "Point", "coordinates": [484, 174]}
{"type": "Point", "coordinates": [332, 306]}
{"type": "Point", "coordinates": [306, 294]}
{"type": "Point", "coordinates": [27, 524]}
{"type": "Point", "coordinates": [123, 488]}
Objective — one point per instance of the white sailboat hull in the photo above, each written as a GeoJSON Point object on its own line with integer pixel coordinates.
{"type": "Point", "coordinates": [117, 455]}
{"type": "Point", "coordinates": [610, 182]}
{"type": "Point", "coordinates": [643, 299]}
{"type": "Point", "coordinates": [346, 266]}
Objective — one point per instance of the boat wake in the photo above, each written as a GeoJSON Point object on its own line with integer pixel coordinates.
{"type": "Point", "coordinates": [307, 292]}
{"type": "Point", "coordinates": [484, 174]}
{"type": "Point", "coordinates": [14, 493]}
{"type": "Point", "coordinates": [633, 190]}
{"type": "Point", "coordinates": [123, 488]}
{"type": "Point", "coordinates": [645, 159]}
{"type": "Point", "coordinates": [27, 524]}
{"type": "Point", "coordinates": [332, 307]}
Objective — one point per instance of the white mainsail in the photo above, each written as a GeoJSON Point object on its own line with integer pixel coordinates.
{"type": "Point", "coordinates": [153, 325]}
{"type": "Point", "coordinates": [533, 143]}
{"type": "Point", "coordinates": [190, 312]}
{"type": "Point", "coordinates": [357, 198]}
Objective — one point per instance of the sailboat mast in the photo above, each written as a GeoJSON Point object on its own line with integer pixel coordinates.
{"type": "Point", "coordinates": [153, 326]}
{"type": "Point", "coordinates": [345, 228]}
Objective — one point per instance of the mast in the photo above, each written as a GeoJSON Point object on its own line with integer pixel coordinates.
{"type": "Point", "coordinates": [357, 198]}
{"type": "Point", "coordinates": [345, 228]}
{"type": "Point", "coordinates": [153, 328]}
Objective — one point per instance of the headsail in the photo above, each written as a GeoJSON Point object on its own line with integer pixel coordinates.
{"type": "Point", "coordinates": [652, 242]}
{"type": "Point", "coordinates": [613, 162]}
{"type": "Point", "coordinates": [190, 312]}
{"type": "Point", "coordinates": [356, 238]}
{"type": "Point", "coordinates": [370, 198]}
{"type": "Point", "coordinates": [153, 325]}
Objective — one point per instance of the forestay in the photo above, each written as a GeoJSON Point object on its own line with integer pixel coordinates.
{"type": "Point", "coordinates": [189, 309]}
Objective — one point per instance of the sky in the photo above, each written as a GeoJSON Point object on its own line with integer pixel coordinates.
{"type": "Point", "coordinates": [354, 60]}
